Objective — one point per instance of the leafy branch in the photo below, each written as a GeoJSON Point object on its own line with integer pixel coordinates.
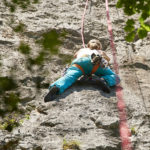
{"type": "Point", "coordinates": [141, 7]}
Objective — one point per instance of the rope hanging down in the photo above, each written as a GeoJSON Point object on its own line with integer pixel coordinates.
{"type": "Point", "coordinates": [82, 24]}
{"type": "Point", "coordinates": [123, 127]}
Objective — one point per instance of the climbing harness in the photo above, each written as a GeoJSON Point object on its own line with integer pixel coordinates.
{"type": "Point", "coordinates": [79, 67]}
{"type": "Point", "coordinates": [97, 61]}
{"type": "Point", "coordinates": [95, 67]}
{"type": "Point", "coordinates": [123, 126]}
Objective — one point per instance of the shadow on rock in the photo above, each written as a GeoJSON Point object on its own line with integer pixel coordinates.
{"type": "Point", "coordinates": [138, 65]}
{"type": "Point", "coordinates": [80, 87]}
{"type": "Point", "coordinates": [38, 81]}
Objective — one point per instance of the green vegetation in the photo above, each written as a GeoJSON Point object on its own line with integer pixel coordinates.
{"type": "Point", "coordinates": [11, 115]}
{"type": "Point", "coordinates": [8, 102]}
{"type": "Point", "coordinates": [132, 7]}
{"type": "Point", "coordinates": [133, 131]}
{"type": "Point", "coordinates": [66, 58]}
{"type": "Point", "coordinates": [50, 41]}
{"type": "Point", "coordinates": [35, 1]}
{"type": "Point", "coordinates": [19, 28]}
{"type": "Point", "coordinates": [9, 105]}
{"type": "Point", "coordinates": [9, 95]}
{"type": "Point", "coordinates": [39, 60]}
{"type": "Point", "coordinates": [9, 124]}
{"type": "Point", "coordinates": [24, 48]}
{"type": "Point", "coordinates": [11, 101]}
{"type": "Point", "coordinates": [13, 4]}
{"type": "Point", "coordinates": [27, 116]}
{"type": "Point", "coordinates": [7, 84]}
{"type": "Point", "coordinates": [12, 121]}
{"type": "Point", "coordinates": [68, 145]}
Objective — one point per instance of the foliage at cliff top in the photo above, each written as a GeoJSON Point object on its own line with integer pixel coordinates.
{"type": "Point", "coordinates": [135, 27]}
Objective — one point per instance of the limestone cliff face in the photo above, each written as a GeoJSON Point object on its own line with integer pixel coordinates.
{"type": "Point", "coordinates": [82, 114]}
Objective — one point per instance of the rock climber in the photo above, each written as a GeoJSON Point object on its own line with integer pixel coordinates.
{"type": "Point", "coordinates": [90, 60]}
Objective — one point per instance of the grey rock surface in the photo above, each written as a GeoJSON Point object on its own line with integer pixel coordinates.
{"type": "Point", "coordinates": [82, 114]}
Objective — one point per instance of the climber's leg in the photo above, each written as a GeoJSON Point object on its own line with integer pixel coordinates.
{"type": "Point", "coordinates": [72, 74]}
{"type": "Point", "coordinates": [108, 75]}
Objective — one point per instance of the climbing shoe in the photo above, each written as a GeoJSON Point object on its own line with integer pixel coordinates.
{"type": "Point", "coordinates": [103, 86]}
{"type": "Point", "coordinates": [53, 92]}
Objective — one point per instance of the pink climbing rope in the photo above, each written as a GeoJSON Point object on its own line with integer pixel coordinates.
{"type": "Point", "coordinates": [123, 126]}
{"type": "Point", "coordinates": [82, 24]}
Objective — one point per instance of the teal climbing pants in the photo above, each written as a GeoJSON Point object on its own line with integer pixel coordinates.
{"type": "Point", "coordinates": [73, 73]}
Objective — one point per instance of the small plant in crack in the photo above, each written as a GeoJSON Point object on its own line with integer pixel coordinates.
{"type": "Point", "coordinates": [19, 28]}
{"type": "Point", "coordinates": [24, 48]}
{"type": "Point", "coordinates": [68, 145]}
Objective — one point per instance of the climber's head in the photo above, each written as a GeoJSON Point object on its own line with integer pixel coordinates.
{"type": "Point", "coordinates": [94, 44]}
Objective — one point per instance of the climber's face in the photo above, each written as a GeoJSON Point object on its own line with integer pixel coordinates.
{"type": "Point", "coordinates": [94, 44]}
